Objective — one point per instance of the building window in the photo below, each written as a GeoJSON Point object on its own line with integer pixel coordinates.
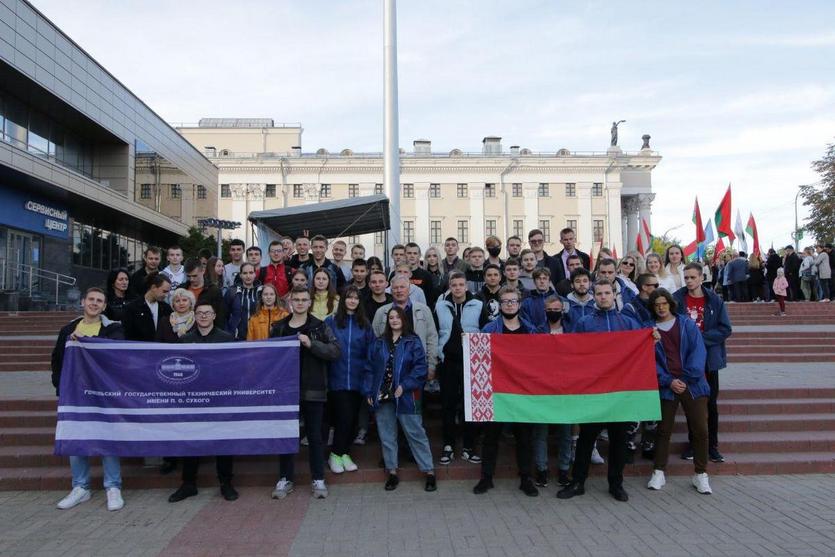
{"type": "Point", "coordinates": [571, 190]}
{"type": "Point", "coordinates": [463, 231]}
{"type": "Point", "coordinates": [435, 190]}
{"type": "Point", "coordinates": [176, 191]}
{"type": "Point", "coordinates": [597, 190]}
{"type": "Point", "coordinates": [489, 190]}
{"type": "Point", "coordinates": [379, 238]}
{"type": "Point", "coordinates": [490, 227]}
{"type": "Point", "coordinates": [298, 191]}
{"type": "Point", "coordinates": [435, 231]}
{"type": "Point", "coordinates": [325, 190]}
{"type": "Point", "coordinates": [269, 191]}
{"type": "Point", "coordinates": [544, 190]}
{"type": "Point", "coordinates": [353, 240]}
{"type": "Point", "coordinates": [145, 191]}
{"type": "Point", "coordinates": [353, 190]}
{"type": "Point", "coordinates": [201, 192]}
{"type": "Point", "coordinates": [408, 191]}
{"type": "Point", "coordinates": [597, 231]}
{"type": "Point", "coordinates": [462, 192]}
{"type": "Point", "coordinates": [519, 228]}
{"type": "Point", "coordinates": [517, 190]}
{"type": "Point", "coordinates": [545, 227]}
{"type": "Point", "coordinates": [408, 231]}
{"type": "Point", "coordinates": [101, 249]}
{"type": "Point", "coordinates": [225, 191]}
{"type": "Point", "coordinates": [572, 224]}
{"type": "Point", "coordinates": [378, 189]}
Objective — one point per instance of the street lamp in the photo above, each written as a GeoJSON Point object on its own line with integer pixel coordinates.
{"type": "Point", "coordinates": [798, 235]}
{"type": "Point", "coordinates": [220, 224]}
{"type": "Point", "coordinates": [664, 236]}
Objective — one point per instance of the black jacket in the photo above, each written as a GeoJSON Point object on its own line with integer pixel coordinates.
{"type": "Point", "coordinates": [215, 335]}
{"type": "Point", "coordinates": [213, 296]}
{"type": "Point", "coordinates": [139, 323]}
{"type": "Point", "coordinates": [324, 348]}
{"type": "Point", "coordinates": [792, 266]}
{"type": "Point", "coordinates": [136, 285]}
{"type": "Point", "coordinates": [109, 329]}
{"type": "Point", "coordinates": [115, 309]}
{"type": "Point", "coordinates": [554, 264]}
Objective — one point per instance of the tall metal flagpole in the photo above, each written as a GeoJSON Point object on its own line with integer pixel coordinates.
{"type": "Point", "coordinates": [391, 147]}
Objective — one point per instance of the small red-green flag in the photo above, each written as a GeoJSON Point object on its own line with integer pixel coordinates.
{"type": "Point", "coordinates": [751, 229]}
{"type": "Point", "coordinates": [690, 250]}
{"type": "Point", "coordinates": [697, 220]}
{"type": "Point", "coordinates": [722, 219]}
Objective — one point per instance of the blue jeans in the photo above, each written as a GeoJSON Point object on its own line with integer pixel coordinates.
{"type": "Point", "coordinates": [412, 425]}
{"type": "Point", "coordinates": [80, 466]}
{"type": "Point", "coordinates": [540, 446]}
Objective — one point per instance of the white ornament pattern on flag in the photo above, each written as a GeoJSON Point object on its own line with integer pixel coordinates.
{"type": "Point", "coordinates": [481, 380]}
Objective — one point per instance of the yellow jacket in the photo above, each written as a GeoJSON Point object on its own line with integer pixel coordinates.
{"type": "Point", "coordinates": [260, 323]}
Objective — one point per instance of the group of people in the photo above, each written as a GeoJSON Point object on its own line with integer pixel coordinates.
{"type": "Point", "coordinates": [373, 341]}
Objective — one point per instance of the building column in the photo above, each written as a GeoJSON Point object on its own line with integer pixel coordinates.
{"type": "Point", "coordinates": [530, 194]}
{"type": "Point", "coordinates": [422, 214]}
{"type": "Point", "coordinates": [584, 234]}
{"type": "Point", "coordinates": [476, 190]}
{"type": "Point", "coordinates": [367, 240]}
{"type": "Point", "coordinates": [630, 205]}
{"type": "Point", "coordinates": [645, 209]}
{"type": "Point", "coordinates": [615, 223]}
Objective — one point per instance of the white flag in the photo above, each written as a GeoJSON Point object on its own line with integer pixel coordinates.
{"type": "Point", "coordinates": [740, 233]}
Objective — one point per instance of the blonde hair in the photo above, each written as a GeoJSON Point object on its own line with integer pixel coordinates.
{"type": "Point", "coordinates": [662, 272]}
{"type": "Point", "coordinates": [183, 293]}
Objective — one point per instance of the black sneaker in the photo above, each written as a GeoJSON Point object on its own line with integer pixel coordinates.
{"type": "Point", "coordinates": [527, 487]}
{"type": "Point", "coordinates": [431, 483]}
{"type": "Point", "coordinates": [185, 491]}
{"type": "Point", "coordinates": [391, 482]}
{"type": "Point", "coordinates": [562, 478]}
{"type": "Point", "coordinates": [483, 485]}
{"type": "Point", "coordinates": [619, 494]}
{"type": "Point", "coordinates": [541, 478]}
{"type": "Point", "coordinates": [229, 493]}
{"type": "Point", "coordinates": [168, 465]}
{"type": "Point", "coordinates": [715, 455]}
{"type": "Point", "coordinates": [571, 490]}
{"type": "Point", "coordinates": [470, 456]}
{"type": "Point", "coordinates": [687, 454]}
{"type": "Point", "coordinates": [446, 455]}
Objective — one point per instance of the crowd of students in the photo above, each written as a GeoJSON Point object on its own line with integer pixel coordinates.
{"type": "Point", "coordinates": [373, 342]}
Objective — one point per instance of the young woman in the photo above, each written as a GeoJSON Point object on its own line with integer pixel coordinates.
{"type": "Point", "coordinates": [628, 271]}
{"type": "Point", "coordinates": [528, 265]}
{"type": "Point", "coordinates": [214, 273]}
{"type": "Point", "coordinates": [395, 373]}
{"type": "Point", "coordinates": [354, 335]}
{"type": "Point", "coordinates": [374, 264]}
{"type": "Point", "coordinates": [323, 294]}
{"type": "Point", "coordinates": [674, 265]}
{"type": "Point", "coordinates": [808, 274]}
{"type": "Point", "coordinates": [118, 294]}
{"type": "Point", "coordinates": [756, 278]}
{"type": "Point", "coordinates": [298, 279]}
{"type": "Point", "coordinates": [432, 263]}
{"type": "Point", "coordinates": [266, 313]}
{"type": "Point", "coordinates": [680, 357]}
{"type": "Point", "coordinates": [655, 265]}
{"type": "Point", "coordinates": [181, 320]}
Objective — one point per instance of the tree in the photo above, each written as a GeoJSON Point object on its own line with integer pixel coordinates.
{"type": "Point", "coordinates": [820, 198]}
{"type": "Point", "coordinates": [195, 240]}
{"type": "Point", "coordinates": [659, 245]}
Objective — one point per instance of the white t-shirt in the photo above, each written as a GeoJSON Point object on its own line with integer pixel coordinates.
{"type": "Point", "coordinates": [230, 271]}
{"type": "Point", "coordinates": [154, 307]}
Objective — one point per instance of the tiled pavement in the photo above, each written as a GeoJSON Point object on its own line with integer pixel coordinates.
{"type": "Point", "coordinates": [759, 515]}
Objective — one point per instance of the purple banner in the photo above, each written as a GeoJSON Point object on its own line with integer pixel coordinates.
{"type": "Point", "coordinates": [124, 398]}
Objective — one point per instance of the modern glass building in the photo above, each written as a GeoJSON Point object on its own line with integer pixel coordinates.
{"type": "Point", "coordinates": [89, 174]}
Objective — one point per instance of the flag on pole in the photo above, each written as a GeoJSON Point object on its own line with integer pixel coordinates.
{"type": "Point", "coordinates": [647, 235]}
{"type": "Point", "coordinates": [740, 233]}
{"type": "Point", "coordinates": [691, 250]}
{"type": "Point", "coordinates": [722, 217]}
{"type": "Point", "coordinates": [717, 251]}
{"type": "Point", "coordinates": [708, 239]}
{"type": "Point", "coordinates": [697, 220]}
{"type": "Point", "coordinates": [639, 244]}
{"type": "Point", "coordinates": [751, 228]}
{"type": "Point", "coordinates": [614, 253]}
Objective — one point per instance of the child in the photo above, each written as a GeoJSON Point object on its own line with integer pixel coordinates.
{"type": "Point", "coordinates": [780, 286]}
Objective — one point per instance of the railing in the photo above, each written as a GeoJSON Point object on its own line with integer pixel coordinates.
{"type": "Point", "coordinates": [222, 154]}
{"type": "Point", "coordinates": [29, 274]}
{"type": "Point", "coordinates": [197, 125]}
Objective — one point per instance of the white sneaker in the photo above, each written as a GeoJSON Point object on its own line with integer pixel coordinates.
{"type": "Point", "coordinates": [701, 484]}
{"type": "Point", "coordinates": [604, 435]}
{"type": "Point", "coordinates": [303, 441]}
{"type": "Point", "coordinates": [348, 464]}
{"type": "Point", "coordinates": [360, 438]}
{"type": "Point", "coordinates": [657, 480]}
{"type": "Point", "coordinates": [335, 463]}
{"type": "Point", "coordinates": [282, 489]}
{"type": "Point", "coordinates": [77, 496]}
{"type": "Point", "coordinates": [595, 456]}
{"type": "Point", "coordinates": [114, 499]}
{"type": "Point", "coordinates": [320, 490]}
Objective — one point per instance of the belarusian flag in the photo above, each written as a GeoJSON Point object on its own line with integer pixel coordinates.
{"type": "Point", "coordinates": [751, 229]}
{"type": "Point", "coordinates": [562, 379]}
{"type": "Point", "coordinates": [723, 217]}
{"type": "Point", "coordinates": [691, 250]}
{"type": "Point", "coordinates": [697, 220]}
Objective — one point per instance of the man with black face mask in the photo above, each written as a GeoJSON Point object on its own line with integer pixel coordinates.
{"type": "Point", "coordinates": [494, 248]}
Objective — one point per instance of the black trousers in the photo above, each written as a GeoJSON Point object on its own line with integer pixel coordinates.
{"type": "Point", "coordinates": [712, 412]}
{"type": "Point", "coordinates": [345, 407]}
{"type": "Point", "coordinates": [451, 379]}
{"type": "Point", "coordinates": [224, 465]}
{"type": "Point", "coordinates": [313, 413]}
{"type": "Point", "coordinates": [616, 456]}
{"type": "Point", "coordinates": [490, 448]}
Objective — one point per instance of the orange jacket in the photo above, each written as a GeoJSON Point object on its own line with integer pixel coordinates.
{"type": "Point", "coordinates": [260, 323]}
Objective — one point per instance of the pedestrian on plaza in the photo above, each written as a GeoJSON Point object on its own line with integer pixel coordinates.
{"type": "Point", "coordinates": [451, 261]}
{"type": "Point", "coordinates": [808, 274]}
{"type": "Point", "coordinates": [352, 330]}
{"type": "Point", "coordinates": [824, 273]}
{"type": "Point", "coordinates": [606, 318]}
{"type": "Point", "coordinates": [277, 272]}
{"type": "Point", "coordinates": [338, 251]}
{"type": "Point", "coordinates": [514, 247]}
{"type": "Point", "coordinates": [772, 263]}
{"type": "Point", "coordinates": [143, 316]}
{"type": "Point", "coordinates": [709, 313]}
{"type": "Point", "coordinates": [780, 287]}
{"type": "Point", "coordinates": [241, 300]}
{"type": "Point", "coordinates": [494, 249]}
{"type": "Point", "coordinates": [374, 264]}
{"type": "Point", "coordinates": [655, 265]}
{"type": "Point", "coordinates": [236, 259]}
{"type": "Point", "coordinates": [119, 294]}
{"type": "Point", "coordinates": [302, 252]}
{"type": "Point", "coordinates": [756, 278]}
{"type": "Point", "coordinates": [150, 264]}
{"type": "Point", "coordinates": [415, 293]}
{"type": "Point", "coordinates": [297, 280]}
{"type": "Point", "coordinates": [737, 274]}
{"type": "Point", "coordinates": [680, 362]}
{"type": "Point", "coordinates": [323, 294]}
{"type": "Point", "coordinates": [674, 265]}
{"type": "Point", "coordinates": [181, 320]}
{"type": "Point", "coordinates": [267, 312]}
{"type": "Point", "coordinates": [509, 323]}
{"type": "Point", "coordinates": [318, 347]}
{"type": "Point", "coordinates": [791, 264]}
{"type": "Point", "coordinates": [91, 324]}
{"type": "Point", "coordinates": [205, 332]}
{"type": "Point", "coordinates": [395, 373]}
{"type": "Point", "coordinates": [638, 309]}
{"type": "Point", "coordinates": [831, 253]}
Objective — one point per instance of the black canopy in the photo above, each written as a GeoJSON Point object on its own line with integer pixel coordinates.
{"type": "Point", "coordinates": [332, 219]}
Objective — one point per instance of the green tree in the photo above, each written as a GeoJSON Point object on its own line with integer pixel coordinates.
{"type": "Point", "coordinates": [820, 198]}
{"type": "Point", "coordinates": [195, 240]}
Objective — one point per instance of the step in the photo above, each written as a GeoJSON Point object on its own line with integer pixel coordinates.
{"type": "Point", "coordinates": [773, 358]}
{"type": "Point", "coordinates": [790, 349]}
{"type": "Point", "coordinates": [769, 422]}
{"type": "Point", "coordinates": [789, 392]}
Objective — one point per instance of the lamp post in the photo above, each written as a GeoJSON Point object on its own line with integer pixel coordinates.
{"type": "Point", "coordinates": [219, 224]}
{"type": "Point", "coordinates": [391, 142]}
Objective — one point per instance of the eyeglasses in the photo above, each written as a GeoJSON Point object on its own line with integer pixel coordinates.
{"type": "Point", "coordinates": [535, 241]}
{"type": "Point", "coordinates": [204, 313]}
{"type": "Point", "coordinates": [627, 264]}
{"type": "Point", "coordinates": [510, 302]}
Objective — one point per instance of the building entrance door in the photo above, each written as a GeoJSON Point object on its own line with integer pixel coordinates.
{"type": "Point", "coordinates": [23, 256]}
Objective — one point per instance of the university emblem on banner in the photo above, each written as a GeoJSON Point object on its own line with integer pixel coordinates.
{"type": "Point", "coordinates": [178, 370]}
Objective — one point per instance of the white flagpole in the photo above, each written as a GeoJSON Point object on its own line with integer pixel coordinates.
{"type": "Point", "coordinates": [391, 146]}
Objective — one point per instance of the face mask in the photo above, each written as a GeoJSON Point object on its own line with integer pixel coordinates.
{"type": "Point", "coordinates": [510, 315]}
{"type": "Point", "coordinates": [553, 316]}
{"type": "Point", "coordinates": [494, 252]}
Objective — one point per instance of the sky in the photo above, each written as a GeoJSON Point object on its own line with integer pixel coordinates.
{"type": "Point", "coordinates": [738, 93]}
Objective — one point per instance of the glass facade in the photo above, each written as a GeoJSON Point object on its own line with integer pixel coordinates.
{"type": "Point", "coordinates": [104, 250]}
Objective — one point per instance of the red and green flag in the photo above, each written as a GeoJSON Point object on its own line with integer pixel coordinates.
{"type": "Point", "coordinates": [751, 229]}
{"type": "Point", "coordinates": [562, 379]}
{"type": "Point", "coordinates": [697, 220]}
{"type": "Point", "coordinates": [691, 250]}
{"type": "Point", "coordinates": [722, 219]}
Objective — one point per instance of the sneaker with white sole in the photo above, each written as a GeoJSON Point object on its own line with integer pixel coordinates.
{"type": "Point", "coordinates": [603, 435]}
{"type": "Point", "coordinates": [360, 438]}
{"type": "Point", "coordinates": [303, 441]}
{"type": "Point", "coordinates": [114, 499]}
{"type": "Point", "coordinates": [319, 489]}
{"type": "Point", "coordinates": [470, 455]}
{"type": "Point", "coordinates": [595, 456]}
{"type": "Point", "coordinates": [348, 464]}
{"type": "Point", "coordinates": [657, 480]}
{"type": "Point", "coordinates": [335, 463]}
{"type": "Point", "coordinates": [77, 496]}
{"type": "Point", "coordinates": [700, 482]}
{"type": "Point", "coordinates": [282, 489]}
{"type": "Point", "coordinates": [446, 455]}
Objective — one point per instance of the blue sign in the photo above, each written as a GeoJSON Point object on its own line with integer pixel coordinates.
{"type": "Point", "coordinates": [34, 214]}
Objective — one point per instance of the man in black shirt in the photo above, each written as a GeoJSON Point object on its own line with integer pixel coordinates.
{"type": "Point", "coordinates": [377, 296]}
{"type": "Point", "coordinates": [420, 277]}
{"type": "Point", "coordinates": [150, 260]}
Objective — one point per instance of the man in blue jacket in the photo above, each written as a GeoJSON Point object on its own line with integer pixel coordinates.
{"type": "Point", "coordinates": [737, 276]}
{"type": "Point", "coordinates": [580, 300]}
{"type": "Point", "coordinates": [711, 316]}
{"type": "Point", "coordinates": [606, 318]}
{"type": "Point", "coordinates": [607, 269]}
{"type": "Point", "coordinates": [533, 306]}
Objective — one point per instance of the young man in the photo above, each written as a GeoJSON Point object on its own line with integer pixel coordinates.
{"type": "Point", "coordinates": [377, 296]}
{"type": "Point", "coordinates": [528, 264]}
{"type": "Point", "coordinates": [205, 332]}
{"type": "Point", "coordinates": [174, 271]}
{"type": "Point", "coordinates": [398, 257]}
{"type": "Point", "coordinates": [420, 277]}
{"type": "Point", "coordinates": [560, 268]}
{"type": "Point", "coordinates": [489, 295]}
{"type": "Point", "coordinates": [533, 307]}
{"type": "Point", "coordinates": [511, 275]}
{"type": "Point", "coordinates": [563, 286]}
{"type": "Point", "coordinates": [318, 247]}
{"type": "Point", "coordinates": [338, 251]}
{"type": "Point", "coordinates": [711, 317]}
{"type": "Point", "coordinates": [510, 324]}
{"type": "Point", "coordinates": [514, 247]}
{"type": "Point", "coordinates": [277, 272]}
{"type": "Point", "coordinates": [791, 265]}
{"type": "Point", "coordinates": [241, 301]}
{"type": "Point", "coordinates": [302, 254]}
{"type": "Point", "coordinates": [318, 347]}
{"type": "Point", "coordinates": [451, 261]}
{"type": "Point", "coordinates": [736, 272]}
{"type": "Point", "coordinates": [150, 264]}
{"type": "Point", "coordinates": [357, 251]}
{"type": "Point", "coordinates": [91, 324]}
{"type": "Point", "coordinates": [475, 272]}
{"type": "Point", "coordinates": [536, 240]}
{"type": "Point", "coordinates": [289, 248]}
{"type": "Point", "coordinates": [142, 316]}
{"type": "Point", "coordinates": [204, 293]}
{"type": "Point", "coordinates": [605, 318]}
{"type": "Point", "coordinates": [253, 255]}
{"type": "Point", "coordinates": [580, 300]}
{"type": "Point", "coordinates": [458, 312]}
{"type": "Point", "coordinates": [623, 294]}
{"type": "Point", "coordinates": [494, 248]}
{"type": "Point", "coordinates": [359, 277]}
{"type": "Point", "coordinates": [554, 311]}
{"type": "Point", "coordinates": [236, 256]}
{"type": "Point", "coordinates": [638, 309]}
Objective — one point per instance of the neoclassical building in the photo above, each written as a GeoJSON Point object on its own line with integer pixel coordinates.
{"type": "Point", "coordinates": [603, 195]}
